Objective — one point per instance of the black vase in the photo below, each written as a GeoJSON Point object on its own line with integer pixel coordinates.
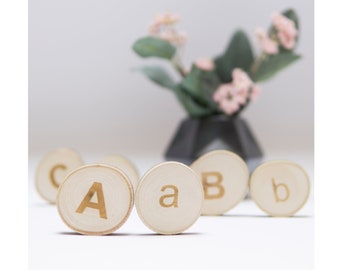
{"type": "Point", "coordinates": [197, 136]}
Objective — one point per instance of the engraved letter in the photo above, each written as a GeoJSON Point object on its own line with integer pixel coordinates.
{"type": "Point", "coordinates": [174, 196]}
{"type": "Point", "coordinates": [52, 171]}
{"type": "Point", "coordinates": [95, 188]}
{"type": "Point", "coordinates": [276, 188]}
{"type": "Point", "coordinates": [212, 185]}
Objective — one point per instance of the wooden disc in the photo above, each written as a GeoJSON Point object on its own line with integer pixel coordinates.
{"type": "Point", "coordinates": [125, 165]}
{"type": "Point", "coordinates": [280, 188]}
{"type": "Point", "coordinates": [224, 176]}
{"type": "Point", "coordinates": [95, 199]}
{"type": "Point", "coordinates": [52, 170]}
{"type": "Point", "coordinates": [169, 198]}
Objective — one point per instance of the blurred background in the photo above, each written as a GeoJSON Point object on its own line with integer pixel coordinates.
{"type": "Point", "coordinates": [83, 93]}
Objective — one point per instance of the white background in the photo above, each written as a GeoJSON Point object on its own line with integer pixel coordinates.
{"type": "Point", "coordinates": [243, 238]}
{"type": "Point", "coordinates": [14, 144]}
{"type": "Point", "coordinates": [83, 94]}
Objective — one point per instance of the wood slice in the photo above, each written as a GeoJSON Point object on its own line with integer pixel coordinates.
{"type": "Point", "coordinates": [52, 170]}
{"type": "Point", "coordinates": [280, 188]}
{"type": "Point", "coordinates": [95, 199]}
{"type": "Point", "coordinates": [125, 165]}
{"type": "Point", "coordinates": [169, 198]}
{"type": "Point", "coordinates": [224, 177]}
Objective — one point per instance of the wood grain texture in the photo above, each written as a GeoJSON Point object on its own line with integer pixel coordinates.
{"type": "Point", "coordinates": [280, 188]}
{"type": "Point", "coordinates": [225, 177]}
{"type": "Point", "coordinates": [52, 170]}
{"type": "Point", "coordinates": [95, 199]}
{"type": "Point", "coordinates": [125, 165]}
{"type": "Point", "coordinates": [169, 198]}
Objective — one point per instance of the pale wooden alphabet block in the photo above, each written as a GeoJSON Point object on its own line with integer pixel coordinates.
{"type": "Point", "coordinates": [169, 198]}
{"type": "Point", "coordinates": [224, 176]}
{"type": "Point", "coordinates": [280, 188]}
{"type": "Point", "coordinates": [95, 199]}
{"type": "Point", "coordinates": [52, 170]}
{"type": "Point", "coordinates": [125, 165]}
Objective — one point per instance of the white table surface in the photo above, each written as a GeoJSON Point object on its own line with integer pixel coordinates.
{"type": "Point", "coordinates": [244, 238]}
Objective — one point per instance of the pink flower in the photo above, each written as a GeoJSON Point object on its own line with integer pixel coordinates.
{"type": "Point", "coordinates": [173, 37]}
{"type": "Point", "coordinates": [241, 79]}
{"type": "Point", "coordinates": [187, 70]}
{"type": "Point", "coordinates": [154, 29]}
{"type": "Point", "coordinates": [181, 38]}
{"type": "Point", "coordinates": [229, 98]}
{"type": "Point", "coordinates": [286, 29]}
{"type": "Point", "coordinates": [286, 40]}
{"type": "Point", "coordinates": [226, 97]}
{"type": "Point", "coordinates": [242, 95]}
{"type": "Point", "coordinates": [255, 92]}
{"type": "Point", "coordinates": [229, 106]}
{"type": "Point", "coordinates": [205, 64]}
{"type": "Point", "coordinates": [167, 18]}
{"type": "Point", "coordinates": [222, 92]}
{"type": "Point", "coordinates": [164, 27]}
{"type": "Point", "coordinates": [282, 23]}
{"type": "Point", "coordinates": [268, 45]}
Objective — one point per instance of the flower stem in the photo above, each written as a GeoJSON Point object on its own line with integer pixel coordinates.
{"type": "Point", "coordinates": [257, 63]}
{"type": "Point", "coordinates": [176, 63]}
{"type": "Point", "coordinates": [179, 69]}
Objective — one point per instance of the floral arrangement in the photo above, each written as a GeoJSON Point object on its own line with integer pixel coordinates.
{"type": "Point", "coordinates": [228, 83]}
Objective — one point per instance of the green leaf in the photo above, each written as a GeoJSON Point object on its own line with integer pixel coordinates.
{"type": "Point", "coordinates": [201, 85]}
{"type": "Point", "coordinates": [193, 108]}
{"type": "Point", "coordinates": [238, 55]}
{"type": "Point", "coordinates": [154, 47]}
{"type": "Point", "coordinates": [158, 75]}
{"type": "Point", "coordinates": [271, 65]}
